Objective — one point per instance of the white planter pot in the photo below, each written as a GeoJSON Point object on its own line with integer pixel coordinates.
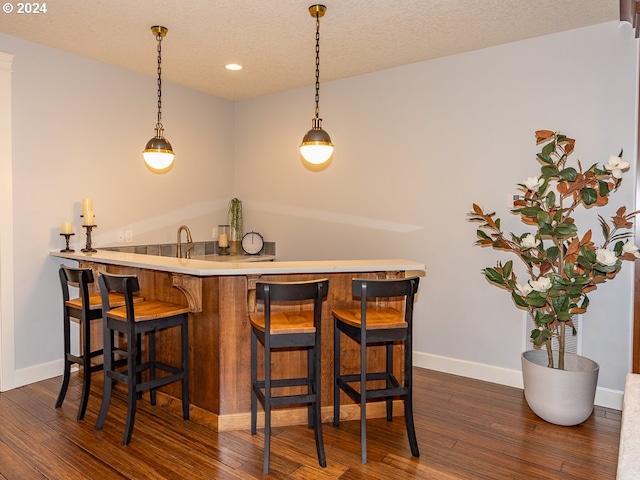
{"type": "Point", "coordinates": [564, 397]}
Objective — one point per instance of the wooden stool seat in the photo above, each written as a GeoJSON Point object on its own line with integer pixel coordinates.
{"type": "Point", "coordinates": [95, 301]}
{"type": "Point", "coordinates": [377, 318]}
{"type": "Point", "coordinates": [285, 322]}
{"type": "Point", "coordinates": [132, 320]}
{"type": "Point", "coordinates": [291, 329]}
{"type": "Point", "coordinates": [148, 310]}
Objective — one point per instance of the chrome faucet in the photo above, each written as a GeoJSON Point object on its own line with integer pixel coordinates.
{"type": "Point", "coordinates": [179, 242]}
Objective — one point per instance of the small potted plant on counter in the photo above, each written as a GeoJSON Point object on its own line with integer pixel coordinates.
{"type": "Point", "coordinates": [559, 266]}
{"type": "Point", "coordinates": [235, 221]}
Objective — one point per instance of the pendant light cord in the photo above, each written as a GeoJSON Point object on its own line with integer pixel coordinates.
{"type": "Point", "coordinates": [317, 65]}
{"type": "Point", "coordinates": [159, 124]}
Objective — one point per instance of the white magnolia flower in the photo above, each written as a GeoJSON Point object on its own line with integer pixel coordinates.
{"type": "Point", "coordinates": [606, 257]}
{"type": "Point", "coordinates": [630, 247]}
{"type": "Point", "coordinates": [523, 290]}
{"type": "Point", "coordinates": [533, 183]}
{"type": "Point", "coordinates": [616, 165]}
{"type": "Point", "coordinates": [530, 241]}
{"type": "Point", "coordinates": [540, 285]}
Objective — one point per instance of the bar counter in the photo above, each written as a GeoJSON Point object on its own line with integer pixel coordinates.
{"type": "Point", "coordinates": [220, 295]}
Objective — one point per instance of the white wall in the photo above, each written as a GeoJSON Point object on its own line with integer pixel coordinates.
{"type": "Point", "coordinates": [7, 363]}
{"type": "Point", "coordinates": [79, 128]}
{"type": "Point", "coordinates": [415, 147]}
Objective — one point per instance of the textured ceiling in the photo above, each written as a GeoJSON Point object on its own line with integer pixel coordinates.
{"type": "Point", "coordinates": [275, 41]}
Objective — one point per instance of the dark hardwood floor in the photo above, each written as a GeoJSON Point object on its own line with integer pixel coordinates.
{"type": "Point", "coordinates": [467, 429]}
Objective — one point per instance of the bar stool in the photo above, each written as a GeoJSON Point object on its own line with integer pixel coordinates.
{"type": "Point", "coordinates": [85, 308]}
{"type": "Point", "coordinates": [377, 324]}
{"type": "Point", "coordinates": [292, 329]}
{"type": "Point", "coordinates": [133, 320]}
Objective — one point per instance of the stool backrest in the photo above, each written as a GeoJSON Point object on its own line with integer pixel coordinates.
{"type": "Point", "coordinates": [127, 285]}
{"type": "Point", "coordinates": [368, 289]}
{"type": "Point", "coordinates": [76, 277]}
{"type": "Point", "coordinates": [270, 292]}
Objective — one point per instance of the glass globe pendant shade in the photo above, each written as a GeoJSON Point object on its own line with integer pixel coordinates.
{"type": "Point", "coordinates": [158, 153]}
{"type": "Point", "coordinates": [316, 146]}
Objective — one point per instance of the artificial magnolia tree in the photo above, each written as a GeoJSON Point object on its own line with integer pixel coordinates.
{"type": "Point", "coordinates": [562, 263]}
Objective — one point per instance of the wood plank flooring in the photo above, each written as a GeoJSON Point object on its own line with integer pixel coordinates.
{"type": "Point", "coordinates": [467, 429]}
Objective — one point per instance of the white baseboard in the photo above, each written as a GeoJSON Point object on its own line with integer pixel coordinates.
{"type": "Point", "coordinates": [605, 397]}
{"type": "Point", "coordinates": [37, 373]}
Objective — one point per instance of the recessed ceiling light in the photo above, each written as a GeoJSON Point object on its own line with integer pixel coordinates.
{"type": "Point", "coordinates": [233, 66]}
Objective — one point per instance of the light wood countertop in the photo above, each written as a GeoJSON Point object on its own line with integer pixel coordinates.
{"type": "Point", "coordinates": [205, 266]}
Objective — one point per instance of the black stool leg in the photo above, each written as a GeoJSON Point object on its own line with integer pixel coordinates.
{"type": "Point", "coordinates": [310, 388]}
{"type": "Point", "coordinates": [152, 365]}
{"type": "Point", "coordinates": [336, 374]}
{"type": "Point", "coordinates": [67, 363]}
{"type": "Point", "coordinates": [389, 373]}
{"type": "Point", "coordinates": [254, 379]}
{"type": "Point", "coordinates": [108, 381]}
{"type": "Point", "coordinates": [139, 361]}
{"type": "Point", "coordinates": [408, 401]}
{"type": "Point", "coordinates": [132, 384]}
{"type": "Point", "coordinates": [86, 369]}
{"type": "Point", "coordinates": [185, 368]}
{"type": "Point", "coordinates": [317, 413]}
{"type": "Point", "coordinates": [363, 400]}
{"type": "Point", "coordinates": [267, 408]}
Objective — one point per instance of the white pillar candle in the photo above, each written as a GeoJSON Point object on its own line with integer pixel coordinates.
{"type": "Point", "coordinates": [87, 206]}
{"type": "Point", "coordinates": [223, 240]}
{"type": "Point", "coordinates": [88, 217]}
{"type": "Point", "coordinates": [67, 228]}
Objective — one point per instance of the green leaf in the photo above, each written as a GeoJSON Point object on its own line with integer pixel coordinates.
{"type": "Point", "coordinates": [607, 269]}
{"type": "Point", "coordinates": [529, 211]}
{"type": "Point", "coordinates": [569, 174]}
{"type": "Point", "coordinates": [551, 199]}
{"type": "Point", "coordinates": [549, 148]}
{"type": "Point", "coordinates": [604, 188]}
{"type": "Point", "coordinates": [546, 319]}
{"type": "Point", "coordinates": [618, 248]}
{"type": "Point", "coordinates": [565, 229]}
{"type": "Point", "coordinates": [564, 316]}
{"type": "Point", "coordinates": [585, 302]}
{"type": "Point", "coordinates": [543, 217]}
{"type": "Point", "coordinates": [552, 253]}
{"type": "Point", "coordinates": [519, 301]}
{"type": "Point", "coordinates": [482, 235]}
{"type": "Point", "coordinates": [536, 300]}
{"type": "Point", "coordinates": [558, 215]}
{"type": "Point", "coordinates": [508, 267]}
{"type": "Point", "coordinates": [568, 269]}
{"type": "Point", "coordinates": [549, 171]}
{"type": "Point", "coordinates": [589, 196]}
{"type": "Point", "coordinates": [589, 254]}
{"type": "Point", "coordinates": [545, 158]}
{"type": "Point", "coordinates": [545, 230]}
{"type": "Point", "coordinates": [575, 289]}
{"type": "Point", "coordinates": [560, 303]}
{"type": "Point", "coordinates": [494, 276]}
{"type": "Point", "coordinates": [542, 337]}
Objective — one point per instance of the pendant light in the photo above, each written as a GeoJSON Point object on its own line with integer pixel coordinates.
{"type": "Point", "coordinates": [316, 146]}
{"type": "Point", "coordinates": [158, 153]}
